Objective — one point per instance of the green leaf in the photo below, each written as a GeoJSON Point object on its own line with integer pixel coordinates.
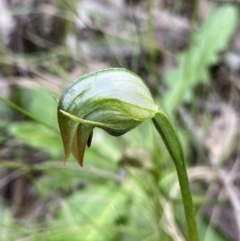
{"type": "Point", "coordinates": [37, 136]}
{"type": "Point", "coordinates": [193, 63]}
{"type": "Point", "coordinates": [43, 106]}
{"type": "Point", "coordinates": [106, 212]}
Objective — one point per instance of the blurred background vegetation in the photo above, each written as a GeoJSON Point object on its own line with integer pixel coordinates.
{"type": "Point", "coordinates": [188, 52]}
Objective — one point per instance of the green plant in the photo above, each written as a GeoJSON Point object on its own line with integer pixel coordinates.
{"type": "Point", "coordinates": [193, 63]}
{"type": "Point", "coordinates": [117, 101]}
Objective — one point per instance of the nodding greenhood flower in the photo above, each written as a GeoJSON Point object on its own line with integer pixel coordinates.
{"type": "Point", "coordinates": [115, 100]}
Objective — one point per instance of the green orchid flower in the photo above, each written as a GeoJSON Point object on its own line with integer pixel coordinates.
{"type": "Point", "coordinates": [117, 101]}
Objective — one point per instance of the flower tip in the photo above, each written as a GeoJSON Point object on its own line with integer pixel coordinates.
{"type": "Point", "coordinates": [65, 162]}
{"type": "Point", "coordinates": [80, 162]}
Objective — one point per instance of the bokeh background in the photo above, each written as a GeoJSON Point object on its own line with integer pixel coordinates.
{"type": "Point", "coordinates": [188, 52]}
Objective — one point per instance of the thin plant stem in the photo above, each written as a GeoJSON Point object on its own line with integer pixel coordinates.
{"type": "Point", "coordinates": [170, 137]}
{"type": "Point", "coordinates": [26, 113]}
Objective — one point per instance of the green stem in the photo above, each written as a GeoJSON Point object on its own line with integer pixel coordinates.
{"type": "Point", "coordinates": [170, 137]}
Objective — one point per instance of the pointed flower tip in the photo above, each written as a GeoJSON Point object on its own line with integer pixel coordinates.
{"type": "Point", "coordinates": [65, 162]}
{"type": "Point", "coordinates": [80, 161]}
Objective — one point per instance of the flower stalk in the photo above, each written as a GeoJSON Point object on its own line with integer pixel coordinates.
{"type": "Point", "coordinates": [116, 100]}
{"type": "Point", "coordinates": [170, 137]}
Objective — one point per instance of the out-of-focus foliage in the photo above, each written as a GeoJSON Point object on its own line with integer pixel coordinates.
{"type": "Point", "coordinates": [126, 190]}
{"type": "Point", "coordinates": [207, 43]}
